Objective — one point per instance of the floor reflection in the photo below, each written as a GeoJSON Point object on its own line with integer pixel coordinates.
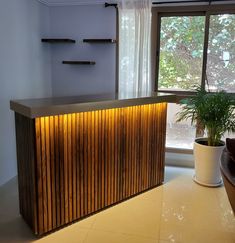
{"type": "Point", "coordinates": [178, 211]}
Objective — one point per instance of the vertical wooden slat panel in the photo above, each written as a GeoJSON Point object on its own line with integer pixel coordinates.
{"type": "Point", "coordinates": [89, 160]}
{"type": "Point", "coordinates": [107, 151]}
{"type": "Point", "coordinates": [77, 174]}
{"type": "Point", "coordinates": [26, 179]}
{"type": "Point", "coordinates": [130, 149]}
{"type": "Point", "coordinates": [31, 135]}
{"type": "Point", "coordinates": [137, 138]}
{"type": "Point", "coordinates": [148, 148]}
{"type": "Point", "coordinates": [107, 182]}
{"type": "Point", "coordinates": [120, 153]}
{"type": "Point", "coordinates": [85, 162]}
{"type": "Point", "coordinates": [70, 168]}
{"type": "Point", "coordinates": [48, 172]}
{"type": "Point", "coordinates": [152, 147]}
{"type": "Point", "coordinates": [75, 162]}
{"type": "Point", "coordinates": [20, 165]}
{"type": "Point", "coordinates": [124, 162]}
{"type": "Point", "coordinates": [127, 153]}
{"type": "Point", "coordinates": [61, 170]}
{"type": "Point", "coordinates": [103, 169]}
{"type": "Point", "coordinates": [57, 171]}
{"type": "Point", "coordinates": [115, 154]}
{"type": "Point", "coordinates": [142, 143]}
{"type": "Point", "coordinates": [133, 150]}
{"type": "Point", "coordinates": [39, 176]}
{"type": "Point", "coordinates": [93, 171]}
{"type": "Point", "coordinates": [142, 156]}
{"type": "Point", "coordinates": [163, 132]}
{"type": "Point", "coordinates": [163, 119]}
{"type": "Point", "coordinates": [52, 170]}
{"type": "Point", "coordinates": [111, 158]}
{"type": "Point", "coordinates": [27, 170]}
{"type": "Point", "coordinates": [158, 144]}
{"type": "Point", "coordinates": [96, 159]}
{"type": "Point", "coordinates": [145, 146]}
{"type": "Point", "coordinates": [134, 124]}
{"type": "Point", "coordinates": [65, 164]}
{"type": "Point", "coordinates": [44, 174]}
{"type": "Point", "coordinates": [100, 151]}
{"type": "Point", "coordinates": [81, 163]}
{"type": "Point", "coordinates": [131, 159]}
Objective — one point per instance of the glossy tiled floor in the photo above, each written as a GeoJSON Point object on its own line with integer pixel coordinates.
{"type": "Point", "coordinates": [178, 211]}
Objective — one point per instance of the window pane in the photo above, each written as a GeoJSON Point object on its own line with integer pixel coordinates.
{"type": "Point", "coordinates": [228, 135]}
{"type": "Point", "coordinates": [181, 134]}
{"type": "Point", "coordinates": [181, 52]}
{"type": "Point", "coordinates": [221, 53]}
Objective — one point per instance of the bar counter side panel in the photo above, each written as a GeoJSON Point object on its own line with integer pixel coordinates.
{"type": "Point", "coordinates": [85, 162]}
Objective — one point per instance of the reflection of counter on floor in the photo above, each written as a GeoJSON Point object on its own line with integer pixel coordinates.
{"type": "Point", "coordinates": [78, 155]}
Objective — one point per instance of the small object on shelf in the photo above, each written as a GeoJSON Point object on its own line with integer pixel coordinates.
{"type": "Point", "coordinates": [57, 40]}
{"type": "Point", "coordinates": [79, 62]}
{"type": "Point", "coordinates": [111, 41]}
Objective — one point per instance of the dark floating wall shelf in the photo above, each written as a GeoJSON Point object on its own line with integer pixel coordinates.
{"type": "Point", "coordinates": [79, 62]}
{"type": "Point", "coordinates": [58, 40]}
{"type": "Point", "coordinates": [99, 41]}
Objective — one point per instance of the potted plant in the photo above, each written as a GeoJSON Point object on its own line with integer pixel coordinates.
{"type": "Point", "coordinates": [215, 113]}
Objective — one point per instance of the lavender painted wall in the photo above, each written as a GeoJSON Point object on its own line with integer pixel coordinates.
{"type": "Point", "coordinates": [25, 70]}
{"type": "Point", "coordinates": [31, 69]}
{"type": "Point", "coordinates": [79, 22]}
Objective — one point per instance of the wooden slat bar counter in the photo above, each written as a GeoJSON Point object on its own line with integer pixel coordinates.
{"type": "Point", "coordinates": [78, 155]}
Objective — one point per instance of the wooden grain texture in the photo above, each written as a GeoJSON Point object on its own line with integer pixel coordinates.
{"type": "Point", "coordinates": [30, 188]}
{"type": "Point", "coordinates": [83, 162]}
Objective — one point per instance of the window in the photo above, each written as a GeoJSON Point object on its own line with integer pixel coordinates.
{"type": "Point", "coordinates": [194, 48]}
{"type": "Point", "coordinates": [175, 138]}
{"type": "Point", "coordinates": [181, 52]}
{"type": "Point", "coordinates": [221, 53]}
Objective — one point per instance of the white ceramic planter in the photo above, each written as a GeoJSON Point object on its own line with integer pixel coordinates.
{"type": "Point", "coordinates": [207, 164]}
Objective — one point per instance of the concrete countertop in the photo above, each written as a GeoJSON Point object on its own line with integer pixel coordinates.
{"type": "Point", "coordinates": [33, 108]}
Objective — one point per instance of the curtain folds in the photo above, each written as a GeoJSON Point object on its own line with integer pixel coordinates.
{"type": "Point", "coordinates": [134, 47]}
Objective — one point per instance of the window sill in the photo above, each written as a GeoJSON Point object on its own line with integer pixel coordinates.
{"type": "Point", "coordinates": [179, 150]}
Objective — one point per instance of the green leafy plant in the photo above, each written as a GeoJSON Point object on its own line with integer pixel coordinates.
{"type": "Point", "coordinates": [215, 112]}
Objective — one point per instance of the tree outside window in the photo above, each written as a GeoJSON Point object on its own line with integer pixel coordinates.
{"type": "Point", "coordinates": [180, 67]}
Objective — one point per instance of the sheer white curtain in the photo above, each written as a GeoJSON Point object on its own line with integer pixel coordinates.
{"type": "Point", "coordinates": [134, 46]}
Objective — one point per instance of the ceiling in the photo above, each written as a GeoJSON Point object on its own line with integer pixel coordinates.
{"type": "Point", "coordinates": [71, 2]}
{"type": "Point", "coordinates": [87, 2]}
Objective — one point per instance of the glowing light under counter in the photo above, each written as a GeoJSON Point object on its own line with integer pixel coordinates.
{"type": "Point", "coordinates": [71, 165]}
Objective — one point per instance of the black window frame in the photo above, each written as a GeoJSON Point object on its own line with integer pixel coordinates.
{"type": "Point", "coordinates": [206, 11]}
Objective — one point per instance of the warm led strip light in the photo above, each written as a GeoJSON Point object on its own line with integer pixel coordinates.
{"type": "Point", "coordinates": [87, 161]}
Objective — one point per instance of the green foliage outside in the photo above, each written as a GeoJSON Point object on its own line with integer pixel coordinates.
{"type": "Point", "coordinates": [181, 52]}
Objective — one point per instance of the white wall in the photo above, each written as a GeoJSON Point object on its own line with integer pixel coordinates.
{"type": "Point", "coordinates": [24, 68]}
{"type": "Point", "coordinates": [81, 22]}
{"type": "Point", "coordinates": [179, 159]}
